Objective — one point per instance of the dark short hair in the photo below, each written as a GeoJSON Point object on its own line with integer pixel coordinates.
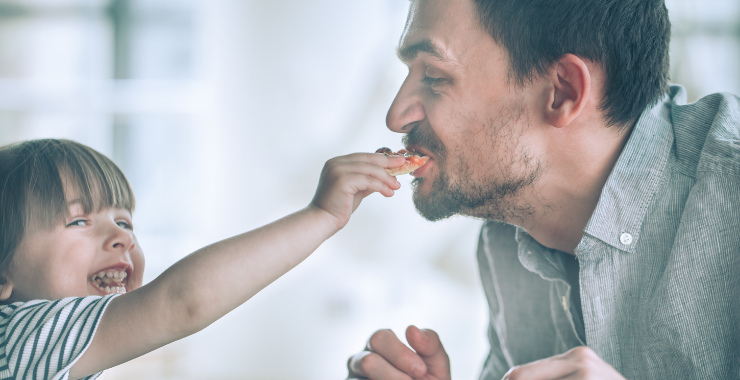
{"type": "Point", "coordinates": [32, 178]}
{"type": "Point", "coordinates": [629, 38]}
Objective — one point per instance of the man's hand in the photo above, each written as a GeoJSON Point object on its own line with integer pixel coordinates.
{"type": "Point", "coordinates": [578, 363]}
{"type": "Point", "coordinates": [387, 358]}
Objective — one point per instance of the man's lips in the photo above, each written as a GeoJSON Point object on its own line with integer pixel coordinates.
{"type": "Point", "coordinates": [418, 149]}
{"type": "Point", "coordinates": [422, 169]}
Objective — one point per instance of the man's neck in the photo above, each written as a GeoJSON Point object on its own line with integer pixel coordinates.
{"type": "Point", "coordinates": [579, 162]}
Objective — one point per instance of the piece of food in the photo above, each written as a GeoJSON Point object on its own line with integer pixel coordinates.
{"type": "Point", "coordinates": [413, 161]}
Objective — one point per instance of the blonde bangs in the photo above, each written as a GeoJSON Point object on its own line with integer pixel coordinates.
{"type": "Point", "coordinates": [97, 181]}
{"type": "Point", "coordinates": [52, 168]}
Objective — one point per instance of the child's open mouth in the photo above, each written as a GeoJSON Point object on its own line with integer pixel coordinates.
{"type": "Point", "coordinates": [111, 281]}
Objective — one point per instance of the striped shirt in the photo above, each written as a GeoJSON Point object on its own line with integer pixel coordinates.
{"type": "Point", "coordinates": [43, 339]}
{"type": "Point", "coordinates": [655, 289]}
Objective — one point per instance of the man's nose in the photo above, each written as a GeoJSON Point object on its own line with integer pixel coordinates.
{"type": "Point", "coordinates": [407, 108]}
{"type": "Point", "coordinates": [119, 239]}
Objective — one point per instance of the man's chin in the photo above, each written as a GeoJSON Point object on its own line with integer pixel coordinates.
{"type": "Point", "coordinates": [432, 200]}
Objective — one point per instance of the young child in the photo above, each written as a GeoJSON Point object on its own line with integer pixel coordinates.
{"type": "Point", "coordinates": [69, 259]}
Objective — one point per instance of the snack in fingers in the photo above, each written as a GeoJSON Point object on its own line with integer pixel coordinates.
{"type": "Point", "coordinates": [414, 161]}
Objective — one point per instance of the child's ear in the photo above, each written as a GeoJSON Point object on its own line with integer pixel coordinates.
{"type": "Point", "coordinates": [7, 290]}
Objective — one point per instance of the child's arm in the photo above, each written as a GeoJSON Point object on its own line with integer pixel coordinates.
{"type": "Point", "coordinates": [207, 284]}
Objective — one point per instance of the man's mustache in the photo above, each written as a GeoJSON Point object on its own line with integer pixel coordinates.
{"type": "Point", "coordinates": [425, 138]}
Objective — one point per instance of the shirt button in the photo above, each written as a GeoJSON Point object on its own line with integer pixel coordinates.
{"type": "Point", "coordinates": [626, 238]}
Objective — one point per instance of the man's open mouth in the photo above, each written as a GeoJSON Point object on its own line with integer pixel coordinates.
{"type": "Point", "coordinates": [111, 281]}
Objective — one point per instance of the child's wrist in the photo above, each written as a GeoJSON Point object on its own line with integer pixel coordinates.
{"type": "Point", "coordinates": [323, 218]}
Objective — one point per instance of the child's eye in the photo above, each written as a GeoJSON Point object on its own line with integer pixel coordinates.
{"type": "Point", "coordinates": [78, 222]}
{"type": "Point", "coordinates": [125, 225]}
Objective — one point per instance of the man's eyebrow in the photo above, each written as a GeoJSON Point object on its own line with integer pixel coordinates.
{"type": "Point", "coordinates": [408, 53]}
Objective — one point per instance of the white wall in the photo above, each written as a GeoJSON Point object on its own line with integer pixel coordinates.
{"type": "Point", "coordinates": [213, 99]}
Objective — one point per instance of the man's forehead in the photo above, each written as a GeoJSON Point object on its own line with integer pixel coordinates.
{"type": "Point", "coordinates": [407, 52]}
{"type": "Point", "coordinates": [433, 27]}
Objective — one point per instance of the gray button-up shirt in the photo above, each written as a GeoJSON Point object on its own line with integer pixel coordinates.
{"type": "Point", "coordinates": [658, 266]}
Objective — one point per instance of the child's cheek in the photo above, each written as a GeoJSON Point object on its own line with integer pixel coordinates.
{"type": "Point", "coordinates": [137, 259]}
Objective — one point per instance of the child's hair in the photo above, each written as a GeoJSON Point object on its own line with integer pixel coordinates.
{"type": "Point", "coordinates": [33, 175]}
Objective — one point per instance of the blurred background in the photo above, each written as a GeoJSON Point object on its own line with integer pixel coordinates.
{"type": "Point", "coordinates": [222, 113]}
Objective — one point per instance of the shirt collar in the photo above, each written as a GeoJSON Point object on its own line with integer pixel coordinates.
{"type": "Point", "coordinates": [537, 258]}
{"type": "Point", "coordinates": [635, 178]}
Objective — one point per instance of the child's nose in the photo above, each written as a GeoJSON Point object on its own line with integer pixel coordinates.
{"type": "Point", "coordinates": [119, 239]}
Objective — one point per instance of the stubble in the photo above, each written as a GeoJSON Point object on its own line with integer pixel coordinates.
{"type": "Point", "coordinates": [507, 170]}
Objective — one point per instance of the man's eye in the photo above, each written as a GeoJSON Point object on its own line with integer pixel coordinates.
{"type": "Point", "coordinates": [78, 222]}
{"type": "Point", "coordinates": [125, 225]}
{"type": "Point", "coordinates": [432, 82]}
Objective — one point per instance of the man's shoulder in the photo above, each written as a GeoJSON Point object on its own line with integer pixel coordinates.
{"type": "Point", "coordinates": [707, 134]}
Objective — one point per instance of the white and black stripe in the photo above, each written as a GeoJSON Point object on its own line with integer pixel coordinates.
{"type": "Point", "coordinates": [42, 339]}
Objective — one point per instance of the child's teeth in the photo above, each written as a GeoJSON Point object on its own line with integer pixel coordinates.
{"type": "Point", "coordinates": [104, 281]}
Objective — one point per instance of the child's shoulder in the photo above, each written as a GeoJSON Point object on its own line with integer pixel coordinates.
{"type": "Point", "coordinates": [12, 310]}
{"type": "Point", "coordinates": [41, 310]}
{"type": "Point", "coordinates": [34, 331]}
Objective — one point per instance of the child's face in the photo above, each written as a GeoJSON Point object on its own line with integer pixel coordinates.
{"type": "Point", "coordinates": [68, 259]}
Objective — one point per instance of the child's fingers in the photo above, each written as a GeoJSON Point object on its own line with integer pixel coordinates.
{"type": "Point", "coordinates": [385, 161]}
{"type": "Point", "coordinates": [365, 184]}
{"type": "Point", "coordinates": [379, 159]}
{"type": "Point", "coordinates": [368, 169]}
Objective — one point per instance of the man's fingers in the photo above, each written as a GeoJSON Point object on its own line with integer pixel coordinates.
{"type": "Point", "coordinates": [387, 345]}
{"type": "Point", "coordinates": [578, 363]}
{"type": "Point", "coordinates": [369, 365]}
{"type": "Point", "coordinates": [428, 345]}
{"type": "Point", "coordinates": [545, 369]}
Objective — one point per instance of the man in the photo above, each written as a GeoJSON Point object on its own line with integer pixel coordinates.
{"type": "Point", "coordinates": [612, 247]}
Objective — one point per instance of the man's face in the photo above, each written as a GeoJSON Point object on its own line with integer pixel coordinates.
{"type": "Point", "coordinates": [458, 106]}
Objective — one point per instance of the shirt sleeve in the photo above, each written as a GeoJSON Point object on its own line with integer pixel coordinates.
{"type": "Point", "coordinates": [44, 339]}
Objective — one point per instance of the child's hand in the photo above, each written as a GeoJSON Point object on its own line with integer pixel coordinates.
{"type": "Point", "coordinates": [346, 180]}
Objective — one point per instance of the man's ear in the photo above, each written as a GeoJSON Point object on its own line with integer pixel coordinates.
{"type": "Point", "coordinates": [7, 289]}
{"type": "Point", "coordinates": [569, 92]}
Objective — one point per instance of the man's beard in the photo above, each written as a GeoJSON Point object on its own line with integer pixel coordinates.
{"type": "Point", "coordinates": [489, 198]}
